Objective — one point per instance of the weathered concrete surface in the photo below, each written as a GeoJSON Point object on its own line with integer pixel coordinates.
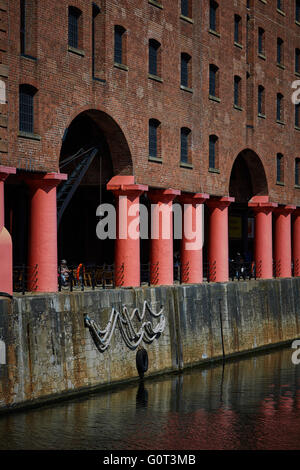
{"type": "Point", "coordinates": [50, 353]}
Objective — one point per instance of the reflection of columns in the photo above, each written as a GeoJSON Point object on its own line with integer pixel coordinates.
{"type": "Point", "coordinates": [263, 236]}
{"type": "Point", "coordinates": [6, 269]}
{"type": "Point", "coordinates": [161, 252]}
{"type": "Point", "coordinates": [42, 250]}
{"type": "Point", "coordinates": [193, 220]}
{"type": "Point", "coordinates": [218, 257]}
{"type": "Point", "coordinates": [127, 245]}
{"type": "Point", "coordinates": [282, 244]}
{"type": "Point", "coordinates": [296, 242]}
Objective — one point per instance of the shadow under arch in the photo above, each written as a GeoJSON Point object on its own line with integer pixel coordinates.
{"type": "Point", "coordinates": [93, 125]}
{"type": "Point", "coordinates": [248, 177]}
{"type": "Point", "coordinates": [86, 185]}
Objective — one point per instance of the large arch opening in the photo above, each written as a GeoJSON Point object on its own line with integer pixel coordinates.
{"type": "Point", "coordinates": [94, 149]}
{"type": "Point", "coordinates": [247, 179]}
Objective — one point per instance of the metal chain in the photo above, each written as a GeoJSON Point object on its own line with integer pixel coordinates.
{"type": "Point", "coordinates": [131, 337]}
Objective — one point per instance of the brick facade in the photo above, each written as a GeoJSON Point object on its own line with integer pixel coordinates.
{"type": "Point", "coordinates": [65, 87]}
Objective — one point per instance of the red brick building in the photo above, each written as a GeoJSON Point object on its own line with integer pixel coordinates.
{"type": "Point", "coordinates": [184, 95]}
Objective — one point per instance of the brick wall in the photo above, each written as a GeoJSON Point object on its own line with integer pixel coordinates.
{"type": "Point", "coordinates": [66, 87]}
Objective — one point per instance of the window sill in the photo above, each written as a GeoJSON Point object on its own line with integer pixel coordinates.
{"type": "Point", "coordinates": [237, 44]}
{"type": "Point", "coordinates": [121, 66]}
{"type": "Point", "coordinates": [280, 12]}
{"type": "Point", "coordinates": [29, 135]}
{"type": "Point", "coordinates": [297, 74]}
{"type": "Point", "coordinates": [155, 78]}
{"type": "Point", "coordinates": [264, 1]}
{"type": "Point", "coordinates": [185, 88]}
{"type": "Point", "coordinates": [262, 56]}
{"type": "Point", "coordinates": [263, 116]}
{"type": "Point", "coordinates": [97, 79]}
{"type": "Point", "coordinates": [154, 159]}
{"type": "Point", "coordinates": [279, 183]}
{"type": "Point", "coordinates": [214, 170]}
{"type": "Point", "coordinates": [155, 4]}
{"type": "Point", "coordinates": [30, 57]}
{"type": "Point", "coordinates": [297, 128]}
{"type": "Point", "coordinates": [280, 122]}
{"type": "Point", "coordinates": [214, 33]}
{"type": "Point", "coordinates": [297, 186]}
{"type": "Point", "coordinates": [186, 165]}
{"type": "Point", "coordinates": [281, 66]}
{"type": "Point", "coordinates": [214, 98]}
{"type": "Point", "coordinates": [239, 108]}
{"type": "Point", "coordinates": [187, 19]}
{"type": "Point", "coordinates": [297, 22]}
{"type": "Point", "coordinates": [76, 51]}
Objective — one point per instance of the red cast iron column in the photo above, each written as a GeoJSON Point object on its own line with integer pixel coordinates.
{"type": "Point", "coordinates": [191, 258]}
{"type": "Point", "coordinates": [42, 250]}
{"type": "Point", "coordinates": [296, 242]}
{"type": "Point", "coordinates": [161, 250]}
{"type": "Point", "coordinates": [6, 262]}
{"type": "Point", "coordinates": [127, 244]}
{"type": "Point", "coordinates": [283, 242]}
{"type": "Point", "coordinates": [263, 236]}
{"type": "Point", "coordinates": [218, 256]}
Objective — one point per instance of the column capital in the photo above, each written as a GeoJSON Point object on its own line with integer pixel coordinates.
{"type": "Point", "coordinates": [265, 207]}
{"type": "Point", "coordinates": [5, 171]}
{"type": "Point", "coordinates": [196, 198]}
{"type": "Point", "coordinates": [220, 202]}
{"type": "Point", "coordinates": [284, 210]}
{"type": "Point", "coordinates": [132, 190]}
{"type": "Point", "coordinates": [46, 180]}
{"type": "Point", "coordinates": [163, 195]}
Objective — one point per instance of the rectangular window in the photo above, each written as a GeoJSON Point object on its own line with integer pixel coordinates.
{"type": "Point", "coordinates": [73, 28]}
{"type": "Point", "coordinates": [280, 5]}
{"type": "Point", "coordinates": [279, 168]}
{"type": "Point", "coordinates": [297, 61]}
{"type": "Point", "coordinates": [297, 11]}
{"type": "Point", "coordinates": [213, 16]}
{"type": "Point", "coordinates": [26, 110]}
{"type": "Point", "coordinates": [237, 85]}
{"type": "Point", "coordinates": [118, 50]}
{"type": "Point", "coordinates": [297, 115]}
{"type": "Point", "coordinates": [22, 26]}
{"type": "Point", "coordinates": [213, 80]}
{"type": "Point", "coordinates": [185, 7]}
{"type": "Point", "coordinates": [260, 100]}
{"type": "Point", "coordinates": [152, 138]}
{"type": "Point", "coordinates": [212, 151]}
{"type": "Point", "coordinates": [184, 70]}
{"type": "Point", "coordinates": [261, 36]}
{"type": "Point", "coordinates": [237, 32]}
{"type": "Point", "coordinates": [279, 51]}
{"type": "Point", "coordinates": [279, 110]}
{"type": "Point", "coordinates": [184, 151]}
{"type": "Point", "coordinates": [153, 57]}
{"type": "Point", "coordinates": [297, 171]}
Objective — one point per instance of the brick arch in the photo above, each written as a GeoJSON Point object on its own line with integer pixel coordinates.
{"type": "Point", "coordinates": [120, 153]}
{"type": "Point", "coordinates": [248, 177]}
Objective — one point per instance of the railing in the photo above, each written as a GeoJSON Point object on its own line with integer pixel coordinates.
{"type": "Point", "coordinates": [90, 276]}
{"type": "Point", "coordinates": [242, 270]}
{"type": "Point", "coordinates": [25, 278]}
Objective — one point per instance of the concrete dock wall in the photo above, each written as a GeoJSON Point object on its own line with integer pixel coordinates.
{"type": "Point", "coordinates": [49, 352]}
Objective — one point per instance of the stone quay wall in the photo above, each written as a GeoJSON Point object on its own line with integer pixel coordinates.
{"type": "Point", "coordinates": [47, 352]}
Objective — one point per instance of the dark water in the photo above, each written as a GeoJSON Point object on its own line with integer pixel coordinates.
{"type": "Point", "coordinates": [252, 403]}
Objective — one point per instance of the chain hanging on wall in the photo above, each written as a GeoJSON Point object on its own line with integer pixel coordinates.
{"type": "Point", "coordinates": [132, 338]}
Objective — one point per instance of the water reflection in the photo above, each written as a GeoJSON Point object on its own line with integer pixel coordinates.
{"type": "Point", "coordinates": [247, 404]}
